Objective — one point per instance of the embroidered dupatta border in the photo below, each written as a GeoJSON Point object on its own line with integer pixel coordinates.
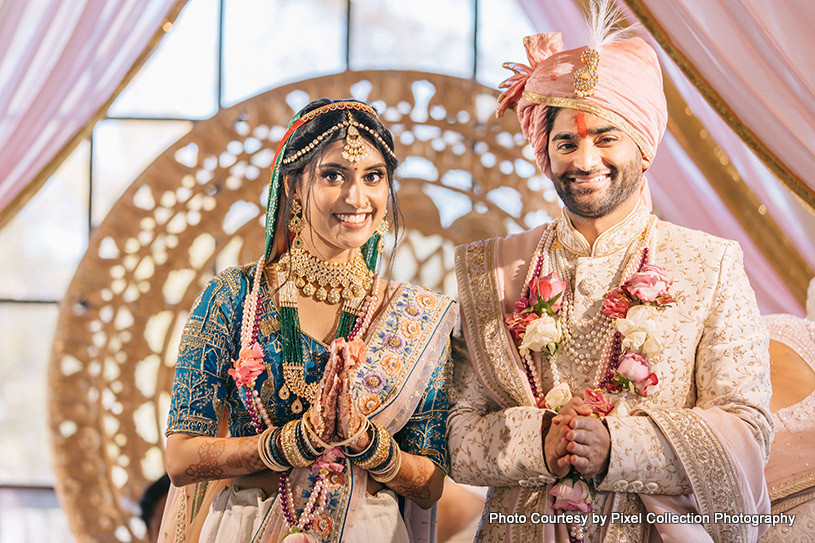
{"type": "Point", "coordinates": [707, 465]}
{"type": "Point", "coordinates": [397, 406]}
{"type": "Point", "coordinates": [483, 320]}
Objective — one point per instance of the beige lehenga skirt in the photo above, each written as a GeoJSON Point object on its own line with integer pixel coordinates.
{"type": "Point", "coordinates": [237, 513]}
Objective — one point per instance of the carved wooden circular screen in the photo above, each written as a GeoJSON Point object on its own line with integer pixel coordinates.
{"type": "Point", "coordinates": [197, 209]}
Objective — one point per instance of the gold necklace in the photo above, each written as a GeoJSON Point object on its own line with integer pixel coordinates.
{"type": "Point", "coordinates": [348, 281]}
{"type": "Point", "coordinates": [329, 282]}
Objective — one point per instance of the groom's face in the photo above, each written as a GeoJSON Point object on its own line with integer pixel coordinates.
{"type": "Point", "coordinates": [596, 167]}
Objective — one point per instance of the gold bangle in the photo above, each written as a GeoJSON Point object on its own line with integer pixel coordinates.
{"type": "Point", "coordinates": [383, 449]}
{"type": "Point", "coordinates": [312, 434]}
{"type": "Point", "coordinates": [389, 473]}
{"type": "Point", "coordinates": [263, 449]}
{"type": "Point", "coordinates": [291, 452]}
{"type": "Point", "coordinates": [355, 436]}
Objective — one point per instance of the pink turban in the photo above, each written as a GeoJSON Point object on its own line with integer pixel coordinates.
{"type": "Point", "coordinates": [627, 90]}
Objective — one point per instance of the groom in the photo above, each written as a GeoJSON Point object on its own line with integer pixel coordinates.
{"type": "Point", "coordinates": [644, 335]}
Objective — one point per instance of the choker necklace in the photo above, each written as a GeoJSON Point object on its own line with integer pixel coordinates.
{"type": "Point", "coordinates": [329, 282]}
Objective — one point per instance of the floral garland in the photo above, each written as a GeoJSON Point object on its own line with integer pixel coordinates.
{"type": "Point", "coordinates": [536, 327]}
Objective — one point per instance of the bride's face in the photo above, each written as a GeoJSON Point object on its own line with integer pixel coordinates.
{"type": "Point", "coordinates": [346, 202]}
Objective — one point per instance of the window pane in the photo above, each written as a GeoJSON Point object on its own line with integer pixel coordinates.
{"type": "Point", "coordinates": [502, 26]}
{"type": "Point", "coordinates": [181, 77]}
{"type": "Point", "coordinates": [43, 243]}
{"type": "Point", "coordinates": [26, 333]}
{"type": "Point", "coordinates": [32, 514]}
{"type": "Point", "coordinates": [429, 35]}
{"type": "Point", "coordinates": [267, 43]}
{"type": "Point", "coordinates": [122, 149]}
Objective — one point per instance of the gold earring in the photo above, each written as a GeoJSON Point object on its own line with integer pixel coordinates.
{"type": "Point", "coordinates": [382, 229]}
{"type": "Point", "coordinates": [296, 223]}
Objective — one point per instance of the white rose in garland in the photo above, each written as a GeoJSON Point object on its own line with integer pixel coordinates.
{"type": "Point", "coordinates": [541, 334]}
{"type": "Point", "coordinates": [558, 396]}
{"type": "Point", "coordinates": [638, 328]}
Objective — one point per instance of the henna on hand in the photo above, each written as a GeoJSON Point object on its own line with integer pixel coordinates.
{"type": "Point", "coordinates": [416, 480]}
{"type": "Point", "coordinates": [324, 417]}
{"type": "Point", "coordinates": [245, 457]}
{"type": "Point", "coordinates": [208, 466]}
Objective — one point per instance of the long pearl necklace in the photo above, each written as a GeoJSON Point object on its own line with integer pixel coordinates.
{"type": "Point", "coordinates": [600, 334]}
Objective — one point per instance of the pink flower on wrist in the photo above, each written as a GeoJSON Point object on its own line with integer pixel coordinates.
{"type": "Point", "coordinates": [572, 495]}
{"type": "Point", "coordinates": [597, 402]}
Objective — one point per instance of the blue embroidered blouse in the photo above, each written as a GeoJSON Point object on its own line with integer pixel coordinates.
{"type": "Point", "coordinates": [211, 340]}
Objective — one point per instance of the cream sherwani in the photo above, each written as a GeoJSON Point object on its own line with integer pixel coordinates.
{"type": "Point", "coordinates": [697, 443]}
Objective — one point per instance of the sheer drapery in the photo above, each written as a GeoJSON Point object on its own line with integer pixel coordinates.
{"type": "Point", "coordinates": [681, 193]}
{"type": "Point", "coordinates": [60, 62]}
{"type": "Point", "coordinates": [752, 60]}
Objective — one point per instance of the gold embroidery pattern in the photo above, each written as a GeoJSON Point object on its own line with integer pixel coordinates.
{"type": "Point", "coordinates": [791, 486]}
{"type": "Point", "coordinates": [481, 310]}
{"type": "Point", "coordinates": [386, 337]}
{"type": "Point", "coordinates": [612, 240]}
{"type": "Point", "coordinates": [791, 502]}
{"type": "Point", "coordinates": [705, 460]}
{"type": "Point", "coordinates": [582, 105]}
{"type": "Point", "coordinates": [627, 503]}
{"type": "Point", "coordinates": [528, 501]}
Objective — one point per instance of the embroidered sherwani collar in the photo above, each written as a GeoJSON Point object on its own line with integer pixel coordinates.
{"type": "Point", "coordinates": [612, 240]}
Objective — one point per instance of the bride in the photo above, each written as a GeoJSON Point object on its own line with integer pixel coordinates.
{"type": "Point", "coordinates": [310, 396]}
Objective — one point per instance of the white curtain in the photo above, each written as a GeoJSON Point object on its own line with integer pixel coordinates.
{"type": "Point", "coordinates": [60, 62]}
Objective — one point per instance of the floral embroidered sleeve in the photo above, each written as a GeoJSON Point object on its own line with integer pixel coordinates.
{"type": "Point", "coordinates": [424, 433]}
{"type": "Point", "coordinates": [205, 353]}
{"type": "Point", "coordinates": [478, 429]}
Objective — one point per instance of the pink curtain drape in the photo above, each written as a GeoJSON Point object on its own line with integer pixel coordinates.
{"type": "Point", "coordinates": [757, 56]}
{"type": "Point", "coordinates": [60, 62]}
{"type": "Point", "coordinates": [681, 194]}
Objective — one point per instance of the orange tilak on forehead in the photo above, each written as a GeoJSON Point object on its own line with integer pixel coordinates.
{"type": "Point", "coordinates": [580, 121]}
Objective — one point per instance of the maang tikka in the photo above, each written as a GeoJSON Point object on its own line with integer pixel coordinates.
{"type": "Point", "coordinates": [354, 149]}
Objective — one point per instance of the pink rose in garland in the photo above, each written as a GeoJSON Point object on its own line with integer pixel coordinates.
{"type": "Point", "coordinates": [544, 299]}
{"type": "Point", "coordinates": [545, 295]}
{"type": "Point", "coordinates": [296, 536]}
{"type": "Point", "coordinates": [634, 373]}
{"type": "Point", "coordinates": [649, 285]}
{"type": "Point", "coordinates": [248, 365]}
{"type": "Point", "coordinates": [517, 323]}
{"type": "Point", "coordinates": [572, 494]}
{"type": "Point", "coordinates": [329, 461]}
{"type": "Point", "coordinates": [597, 402]}
{"type": "Point", "coordinates": [616, 304]}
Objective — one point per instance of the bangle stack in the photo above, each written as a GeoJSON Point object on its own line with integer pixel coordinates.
{"type": "Point", "coordinates": [292, 451]}
{"type": "Point", "coordinates": [382, 457]}
{"type": "Point", "coordinates": [267, 450]}
{"type": "Point", "coordinates": [390, 467]}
